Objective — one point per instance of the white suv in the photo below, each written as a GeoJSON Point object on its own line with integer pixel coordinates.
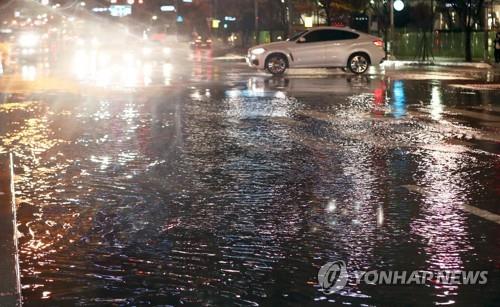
{"type": "Point", "coordinates": [319, 47]}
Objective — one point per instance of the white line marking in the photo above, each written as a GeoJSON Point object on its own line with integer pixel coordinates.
{"type": "Point", "coordinates": [487, 215]}
{"type": "Point", "coordinates": [482, 213]}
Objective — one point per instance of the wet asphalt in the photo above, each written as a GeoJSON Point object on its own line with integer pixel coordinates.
{"type": "Point", "coordinates": [208, 183]}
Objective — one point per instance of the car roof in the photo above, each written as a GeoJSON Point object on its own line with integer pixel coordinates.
{"type": "Point", "coordinates": [333, 28]}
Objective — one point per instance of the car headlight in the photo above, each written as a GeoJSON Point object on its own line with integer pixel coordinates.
{"type": "Point", "coordinates": [258, 51]}
{"type": "Point", "coordinates": [28, 40]}
{"type": "Point", "coordinates": [146, 51]}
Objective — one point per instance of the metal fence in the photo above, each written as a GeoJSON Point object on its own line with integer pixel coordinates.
{"type": "Point", "coordinates": [406, 44]}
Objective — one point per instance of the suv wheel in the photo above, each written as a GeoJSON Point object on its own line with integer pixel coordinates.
{"type": "Point", "coordinates": [358, 63]}
{"type": "Point", "coordinates": [276, 64]}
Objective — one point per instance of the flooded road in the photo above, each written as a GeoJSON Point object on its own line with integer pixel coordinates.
{"type": "Point", "coordinates": [218, 185]}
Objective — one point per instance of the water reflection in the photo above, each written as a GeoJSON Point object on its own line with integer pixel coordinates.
{"type": "Point", "coordinates": [436, 104]}
{"type": "Point", "coordinates": [399, 99]}
{"type": "Point", "coordinates": [442, 225]}
{"type": "Point", "coordinates": [239, 191]}
{"type": "Point", "coordinates": [28, 72]}
{"type": "Point", "coordinates": [119, 69]}
{"type": "Point", "coordinates": [297, 84]}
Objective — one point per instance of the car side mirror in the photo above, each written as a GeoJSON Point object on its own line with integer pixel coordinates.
{"type": "Point", "coordinates": [301, 40]}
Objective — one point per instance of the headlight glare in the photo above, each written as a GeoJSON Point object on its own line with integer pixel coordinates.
{"type": "Point", "coordinates": [258, 51]}
{"type": "Point", "coordinates": [28, 40]}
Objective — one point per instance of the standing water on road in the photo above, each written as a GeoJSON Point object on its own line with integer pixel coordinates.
{"type": "Point", "coordinates": [235, 188]}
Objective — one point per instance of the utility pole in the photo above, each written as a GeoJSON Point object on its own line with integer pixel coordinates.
{"type": "Point", "coordinates": [486, 55]}
{"type": "Point", "coordinates": [289, 12]}
{"type": "Point", "coordinates": [256, 16]}
{"type": "Point", "coordinates": [391, 30]}
{"type": "Point", "coordinates": [215, 9]}
{"type": "Point", "coordinates": [215, 12]}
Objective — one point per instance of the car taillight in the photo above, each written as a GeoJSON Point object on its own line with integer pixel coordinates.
{"type": "Point", "coordinates": [378, 43]}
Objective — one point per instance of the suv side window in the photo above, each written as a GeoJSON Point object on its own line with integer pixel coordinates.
{"type": "Point", "coordinates": [341, 35]}
{"type": "Point", "coordinates": [317, 36]}
{"type": "Point", "coordinates": [329, 35]}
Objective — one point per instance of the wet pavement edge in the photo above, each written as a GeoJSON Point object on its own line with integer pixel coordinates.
{"type": "Point", "coordinates": [10, 287]}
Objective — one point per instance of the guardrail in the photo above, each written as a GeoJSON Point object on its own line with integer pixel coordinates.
{"type": "Point", "coordinates": [10, 285]}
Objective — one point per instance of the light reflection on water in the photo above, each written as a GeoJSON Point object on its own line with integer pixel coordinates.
{"type": "Point", "coordinates": [442, 224]}
{"type": "Point", "coordinates": [236, 194]}
{"type": "Point", "coordinates": [119, 69]}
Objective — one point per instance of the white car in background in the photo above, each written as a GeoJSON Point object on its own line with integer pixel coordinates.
{"type": "Point", "coordinates": [321, 47]}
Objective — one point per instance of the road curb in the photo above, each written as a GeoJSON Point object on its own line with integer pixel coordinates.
{"type": "Point", "coordinates": [477, 65]}
{"type": "Point", "coordinates": [10, 285]}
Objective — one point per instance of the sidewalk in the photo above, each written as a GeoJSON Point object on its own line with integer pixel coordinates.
{"type": "Point", "coordinates": [10, 287]}
{"type": "Point", "coordinates": [238, 55]}
{"type": "Point", "coordinates": [439, 62]}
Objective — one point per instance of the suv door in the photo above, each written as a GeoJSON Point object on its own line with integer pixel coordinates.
{"type": "Point", "coordinates": [339, 46]}
{"type": "Point", "coordinates": [310, 52]}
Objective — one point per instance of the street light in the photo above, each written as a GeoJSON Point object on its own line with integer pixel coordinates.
{"type": "Point", "coordinates": [399, 5]}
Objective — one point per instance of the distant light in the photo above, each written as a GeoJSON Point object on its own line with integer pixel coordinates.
{"type": "Point", "coordinates": [225, 26]}
{"type": "Point", "coordinates": [215, 23]}
{"type": "Point", "coordinates": [120, 10]}
{"type": "Point", "coordinates": [147, 51]}
{"type": "Point", "coordinates": [44, 2]}
{"type": "Point", "coordinates": [100, 9]}
{"type": "Point", "coordinates": [180, 19]}
{"type": "Point", "coordinates": [187, 1]}
{"type": "Point", "coordinates": [230, 18]}
{"type": "Point", "coordinates": [154, 17]}
{"type": "Point", "coordinates": [82, 3]}
{"type": "Point", "coordinates": [29, 40]}
{"type": "Point", "coordinates": [399, 5]}
{"type": "Point", "coordinates": [130, 2]}
{"type": "Point", "coordinates": [167, 8]}
{"type": "Point", "coordinates": [308, 22]}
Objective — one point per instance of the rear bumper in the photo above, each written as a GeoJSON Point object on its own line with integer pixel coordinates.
{"type": "Point", "coordinates": [378, 57]}
{"type": "Point", "coordinates": [385, 58]}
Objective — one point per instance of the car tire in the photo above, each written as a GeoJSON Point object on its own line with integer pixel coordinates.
{"type": "Point", "coordinates": [276, 64]}
{"type": "Point", "coordinates": [358, 63]}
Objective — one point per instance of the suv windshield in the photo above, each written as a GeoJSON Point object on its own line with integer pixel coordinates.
{"type": "Point", "coordinates": [296, 36]}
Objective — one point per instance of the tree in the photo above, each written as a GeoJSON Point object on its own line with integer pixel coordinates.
{"type": "Point", "coordinates": [335, 10]}
{"type": "Point", "coordinates": [196, 16]}
{"type": "Point", "coordinates": [469, 14]}
{"type": "Point", "coordinates": [380, 9]}
{"type": "Point", "coordinates": [423, 18]}
{"type": "Point", "coordinates": [300, 7]}
{"type": "Point", "coordinates": [332, 10]}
